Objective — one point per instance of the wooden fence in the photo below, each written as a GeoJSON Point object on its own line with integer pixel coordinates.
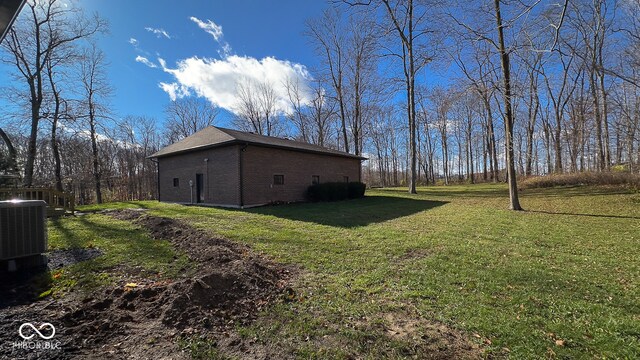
{"type": "Point", "coordinates": [58, 203]}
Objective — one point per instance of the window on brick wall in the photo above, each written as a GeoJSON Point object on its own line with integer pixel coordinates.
{"type": "Point", "coordinates": [278, 179]}
{"type": "Point", "coordinates": [315, 179]}
{"type": "Point", "coordinates": [345, 179]}
{"type": "Point", "coordinates": [176, 182]}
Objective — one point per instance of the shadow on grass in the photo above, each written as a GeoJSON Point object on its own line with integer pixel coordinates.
{"type": "Point", "coordinates": [455, 191]}
{"type": "Point", "coordinates": [588, 215]}
{"type": "Point", "coordinates": [24, 286]}
{"type": "Point", "coordinates": [95, 208]}
{"type": "Point", "coordinates": [71, 239]}
{"type": "Point", "coordinates": [123, 246]}
{"type": "Point", "coordinates": [575, 190]}
{"type": "Point", "coordinates": [136, 204]}
{"type": "Point", "coordinates": [350, 213]}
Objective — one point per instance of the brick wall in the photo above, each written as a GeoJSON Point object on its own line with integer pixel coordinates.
{"type": "Point", "coordinates": [220, 176]}
{"type": "Point", "coordinates": [260, 164]}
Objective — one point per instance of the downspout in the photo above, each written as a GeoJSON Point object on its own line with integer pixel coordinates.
{"type": "Point", "coordinates": [242, 150]}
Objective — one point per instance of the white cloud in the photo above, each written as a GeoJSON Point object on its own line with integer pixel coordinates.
{"type": "Point", "coordinates": [159, 32]}
{"type": "Point", "coordinates": [218, 80]}
{"type": "Point", "coordinates": [209, 26]}
{"type": "Point", "coordinates": [214, 30]}
{"type": "Point", "coordinates": [133, 41]}
{"type": "Point", "coordinates": [174, 90]}
{"type": "Point", "coordinates": [144, 60]}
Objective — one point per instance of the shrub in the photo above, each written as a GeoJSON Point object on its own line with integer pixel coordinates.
{"type": "Point", "coordinates": [335, 191]}
{"type": "Point", "coordinates": [356, 190]}
{"type": "Point", "coordinates": [585, 178]}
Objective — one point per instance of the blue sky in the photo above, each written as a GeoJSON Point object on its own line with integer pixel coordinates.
{"type": "Point", "coordinates": [158, 51]}
{"type": "Point", "coordinates": [252, 29]}
{"type": "Point", "coordinates": [161, 35]}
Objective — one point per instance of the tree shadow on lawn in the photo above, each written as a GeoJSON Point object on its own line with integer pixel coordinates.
{"type": "Point", "coordinates": [587, 215]}
{"type": "Point", "coordinates": [350, 213]}
{"type": "Point", "coordinates": [454, 191]}
{"type": "Point", "coordinates": [96, 208]}
{"type": "Point", "coordinates": [574, 190]}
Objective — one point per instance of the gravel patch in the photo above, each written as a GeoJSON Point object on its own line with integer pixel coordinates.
{"type": "Point", "coordinates": [61, 258]}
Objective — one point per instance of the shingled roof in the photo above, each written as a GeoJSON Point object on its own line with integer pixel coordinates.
{"type": "Point", "coordinates": [214, 136]}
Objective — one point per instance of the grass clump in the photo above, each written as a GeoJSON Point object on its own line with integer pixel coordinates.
{"type": "Point", "coordinates": [615, 178]}
{"type": "Point", "coordinates": [202, 348]}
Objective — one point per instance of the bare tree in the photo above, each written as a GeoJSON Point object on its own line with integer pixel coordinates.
{"type": "Point", "coordinates": [442, 101]}
{"type": "Point", "coordinates": [258, 108]}
{"type": "Point", "coordinates": [320, 116]}
{"type": "Point", "coordinates": [95, 92]}
{"type": "Point", "coordinates": [533, 65]}
{"type": "Point", "coordinates": [469, 109]}
{"type": "Point", "coordinates": [328, 36]}
{"type": "Point", "coordinates": [44, 28]}
{"type": "Point", "coordinates": [187, 116]}
{"type": "Point", "coordinates": [481, 80]}
{"type": "Point", "coordinates": [408, 21]}
{"type": "Point", "coordinates": [363, 84]}
{"type": "Point", "coordinates": [312, 114]}
{"type": "Point", "coordinates": [514, 202]}
{"type": "Point", "coordinates": [298, 114]}
{"type": "Point", "coordinates": [58, 112]}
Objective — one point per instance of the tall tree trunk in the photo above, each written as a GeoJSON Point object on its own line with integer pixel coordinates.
{"type": "Point", "coordinates": [484, 158]}
{"type": "Point", "coordinates": [410, 74]}
{"type": "Point", "coordinates": [491, 140]}
{"type": "Point", "coordinates": [55, 147]}
{"type": "Point", "coordinates": [558, 141]}
{"type": "Point", "coordinates": [605, 119]}
{"type": "Point", "coordinates": [598, 119]}
{"type": "Point", "coordinates": [412, 119]}
{"type": "Point", "coordinates": [470, 169]}
{"type": "Point", "coordinates": [343, 121]}
{"type": "Point", "coordinates": [508, 124]}
{"type": "Point", "coordinates": [445, 155]}
{"type": "Point", "coordinates": [533, 115]}
{"type": "Point", "coordinates": [36, 101]}
{"type": "Point", "coordinates": [95, 154]}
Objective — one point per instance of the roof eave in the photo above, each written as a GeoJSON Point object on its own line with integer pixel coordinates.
{"type": "Point", "coordinates": [193, 149]}
{"type": "Point", "coordinates": [236, 141]}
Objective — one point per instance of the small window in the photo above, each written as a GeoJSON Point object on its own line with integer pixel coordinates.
{"type": "Point", "coordinates": [278, 179]}
{"type": "Point", "coordinates": [315, 179]}
{"type": "Point", "coordinates": [345, 179]}
{"type": "Point", "coordinates": [176, 182]}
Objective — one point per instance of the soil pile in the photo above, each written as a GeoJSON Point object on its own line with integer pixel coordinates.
{"type": "Point", "coordinates": [230, 284]}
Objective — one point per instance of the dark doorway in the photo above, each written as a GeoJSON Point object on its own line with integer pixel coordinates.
{"type": "Point", "coordinates": [199, 188]}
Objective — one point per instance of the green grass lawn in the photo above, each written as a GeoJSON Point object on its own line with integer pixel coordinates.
{"type": "Point", "coordinates": [127, 250]}
{"type": "Point", "coordinates": [558, 280]}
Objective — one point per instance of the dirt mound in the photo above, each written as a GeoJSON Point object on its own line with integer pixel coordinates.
{"type": "Point", "coordinates": [230, 285]}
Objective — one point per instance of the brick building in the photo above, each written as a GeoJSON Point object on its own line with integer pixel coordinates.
{"type": "Point", "coordinates": [225, 167]}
